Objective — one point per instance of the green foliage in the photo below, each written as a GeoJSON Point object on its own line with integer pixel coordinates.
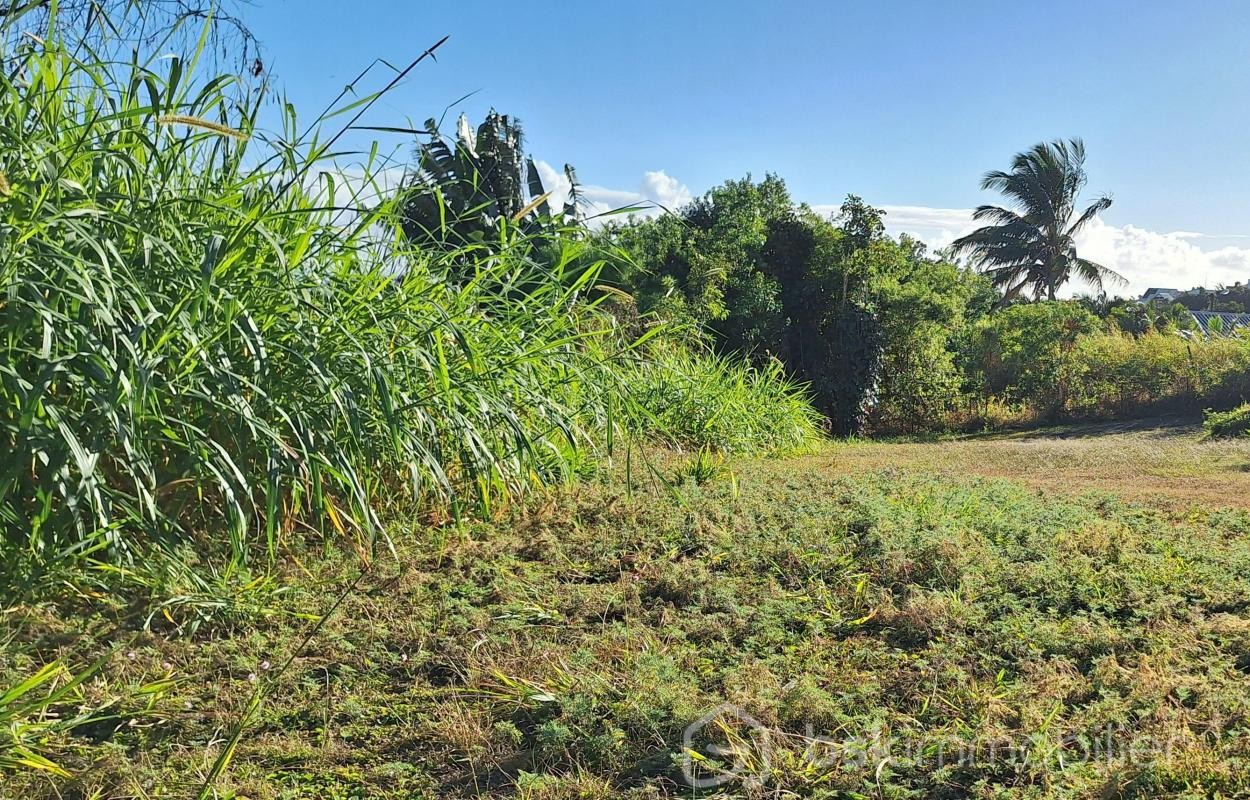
{"type": "Point", "coordinates": [1228, 424]}
{"type": "Point", "coordinates": [28, 718]}
{"type": "Point", "coordinates": [923, 307]}
{"type": "Point", "coordinates": [835, 300]}
{"type": "Point", "coordinates": [479, 190]}
{"type": "Point", "coordinates": [707, 265]}
{"type": "Point", "coordinates": [206, 342]}
{"type": "Point", "coordinates": [1234, 298]}
{"type": "Point", "coordinates": [1133, 317]}
{"type": "Point", "coordinates": [1053, 358]}
{"type": "Point", "coordinates": [1019, 353]}
{"type": "Point", "coordinates": [704, 468]}
{"type": "Point", "coordinates": [1115, 374]}
{"type": "Point", "coordinates": [40, 711]}
{"type": "Point", "coordinates": [694, 400]}
{"type": "Point", "coordinates": [191, 343]}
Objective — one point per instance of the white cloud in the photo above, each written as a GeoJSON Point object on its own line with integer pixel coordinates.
{"type": "Point", "coordinates": [656, 191]}
{"type": "Point", "coordinates": [664, 190]}
{"type": "Point", "coordinates": [1148, 258]}
{"type": "Point", "coordinates": [1145, 258]}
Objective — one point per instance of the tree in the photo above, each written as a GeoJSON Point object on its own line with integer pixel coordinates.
{"type": "Point", "coordinates": [479, 186]}
{"type": "Point", "coordinates": [1031, 245]}
{"type": "Point", "coordinates": [837, 301]}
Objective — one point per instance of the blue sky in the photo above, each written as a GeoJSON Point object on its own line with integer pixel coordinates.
{"type": "Point", "coordinates": [904, 103]}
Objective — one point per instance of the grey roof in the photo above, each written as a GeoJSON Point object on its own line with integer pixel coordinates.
{"type": "Point", "coordinates": [1230, 321]}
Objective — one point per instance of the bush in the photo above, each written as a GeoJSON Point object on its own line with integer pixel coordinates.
{"type": "Point", "coordinates": [695, 400]}
{"type": "Point", "coordinates": [1117, 374]}
{"type": "Point", "coordinates": [1052, 358]}
{"type": "Point", "coordinates": [922, 311]}
{"type": "Point", "coordinates": [1018, 354]}
{"type": "Point", "coordinates": [1228, 424]}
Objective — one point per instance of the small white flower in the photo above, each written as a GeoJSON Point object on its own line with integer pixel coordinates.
{"type": "Point", "coordinates": [251, 677]}
{"type": "Point", "coordinates": [264, 665]}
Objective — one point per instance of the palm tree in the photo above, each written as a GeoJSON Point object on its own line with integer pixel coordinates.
{"type": "Point", "coordinates": [1031, 244]}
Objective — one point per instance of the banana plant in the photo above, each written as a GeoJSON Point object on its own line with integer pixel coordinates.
{"type": "Point", "coordinates": [479, 188]}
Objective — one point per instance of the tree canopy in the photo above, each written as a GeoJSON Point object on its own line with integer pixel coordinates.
{"type": "Point", "coordinates": [833, 299]}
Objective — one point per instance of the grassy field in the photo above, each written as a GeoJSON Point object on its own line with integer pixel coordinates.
{"type": "Point", "coordinates": [1162, 462]}
{"type": "Point", "coordinates": [1064, 614]}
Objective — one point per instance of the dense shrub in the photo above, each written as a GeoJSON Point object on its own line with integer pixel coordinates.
{"type": "Point", "coordinates": [1052, 358]}
{"type": "Point", "coordinates": [865, 320]}
{"type": "Point", "coordinates": [1119, 375]}
{"type": "Point", "coordinates": [1018, 354]}
{"type": "Point", "coordinates": [1116, 374]}
{"type": "Point", "coordinates": [923, 305]}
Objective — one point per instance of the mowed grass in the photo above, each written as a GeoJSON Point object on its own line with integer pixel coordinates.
{"type": "Point", "coordinates": [1165, 462]}
{"type": "Point", "coordinates": [896, 624]}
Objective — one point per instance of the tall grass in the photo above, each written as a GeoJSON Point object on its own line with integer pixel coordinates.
{"type": "Point", "coordinates": [201, 340]}
{"type": "Point", "coordinates": [687, 398]}
{"type": "Point", "coordinates": [208, 339]}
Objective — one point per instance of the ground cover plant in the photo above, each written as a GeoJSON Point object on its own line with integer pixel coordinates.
{"type": "Point", "coordinates": [1227, 424]}
{"type": "Point", "coordinates": [1077, 644]}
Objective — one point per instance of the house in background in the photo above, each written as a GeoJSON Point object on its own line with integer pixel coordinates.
{"type": "Point", "coordinates": [1165, 295]}
{"type": "Point", "coordinates": [1220, 323]}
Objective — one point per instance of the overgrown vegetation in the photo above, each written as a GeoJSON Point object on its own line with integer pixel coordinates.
{"type": "Point", "coordinates": [685, 399]}
{"type": "Point", "coordinates": [316, 487]}
{"type": "Point", "coordinates": [212, 338]}
{"type": "Point", "coordinates": [892, 339]}
{"type": "Point", "coordinates": [1072, 645]}
{"type": "Point", "coordinates": [867, 322]}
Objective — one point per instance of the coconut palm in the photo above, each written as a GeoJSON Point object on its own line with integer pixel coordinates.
{"type": "Point", "coordinates": [1031, 244]}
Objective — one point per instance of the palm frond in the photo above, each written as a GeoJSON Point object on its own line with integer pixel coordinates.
{"type": "Point", "coordinates": [1095, 208]}
{"type": "Point", "coordinates": [1096, 274]}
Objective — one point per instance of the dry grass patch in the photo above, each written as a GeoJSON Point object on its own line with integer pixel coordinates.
{"type": "Point", "coordinates": [1170, 466]}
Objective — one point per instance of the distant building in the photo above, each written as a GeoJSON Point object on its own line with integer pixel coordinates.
{"type": "Point", "coordinates": [1167, 295]}
{"type": "Point", "coordinates": [1227, 323]}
